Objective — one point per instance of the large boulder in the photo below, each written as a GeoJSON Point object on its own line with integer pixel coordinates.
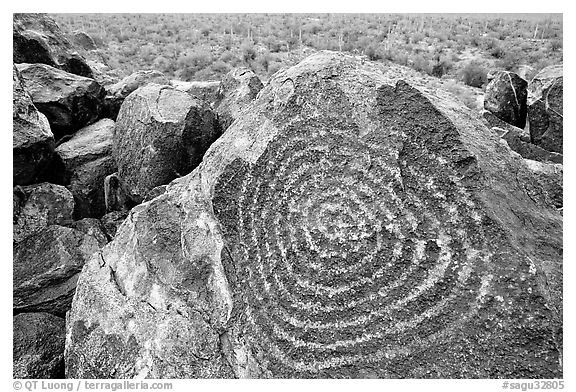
{"type": "Point", "coordinates": [69, 101]}
{"type": "Point", "coordinates": [38, 206]}
{"type": "Point", "coordinates": [506, 96]}
{"type": "Point", "coordinates": [46, 268]}
{"type": "Point", "coordinates": [238, 89]}
{"type": "Point", "coordinates": [83, 162]}
{"type": "Point", "coordinates": [545, 108]}
{"type": "Point", "coordinates": [204, 90]}
{"type": "Point", "coordinates": [118, 91]}
{"type": "Point", "coordinates": [349, 224]}
{"type": "Point", "coordinates": [38, 345]}
{"type": "Point", "coordinates": [32, 139]}
{"type": "Point", "coordinates": [161, 133]}
{"type": "Point", "coordinates": [38, 39]}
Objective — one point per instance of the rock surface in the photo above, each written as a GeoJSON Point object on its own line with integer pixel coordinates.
{"type": "Point", "coordinates": [506, 96]}
{"type": "Point", "coordinates": [69, 101]}
{"type": "Point", "coordinates": [83, 162]}
{"type": "Point", "coordinates": [32, 139]}
{"type": "Point", "coordinates": [38, 345]}
{"type": "Point", "coordinates": [38, 206]}
{"type": "Point", "coordinates": [112, 221]}
{"type": "Point", "coordinates": [203, 90]}
{"type": "Point", "coordinates": [549, 175]}
{"type": "Point", "coordinates": [83, 40]}
{"type": "Point", "coordinates": [118, 92]}
{"type": "Point", "coordinates": [238, 89]}
{"type": "Point", "coordinates": [46, 268]}
{"type": "Point", "coordinates": [545, 109]}
{"type": "Point", "coordinates": [115, 197]}
{"type": "Point", "coordinates": [38, 39]}
{"type": "Point", "coordinates": [161, 134]}
{"type": "Point", "coordinates": [349, 224]}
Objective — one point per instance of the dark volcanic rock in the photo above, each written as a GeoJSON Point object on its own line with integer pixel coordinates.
{"type": "Point", "coordinates": [93, 227]}
{"type": "Point", "coordinates": [38, 206]}
{"type": "Point", "coordinates": [519, 140]}
{"type": "Point", "coordinates": [118, 92]}
{"type": "Point", "coordinates": [111, 221]}
{"type": "Point", "coordinates": [69, 101]}
{"type": "Point", "coordinates": [161, 134]}
{"type": "Point", "coordinates": [506, 97]}
{"type": "Point", "coordinates": [549, 176]}
{"type": "Point", "coordinates": [238, 89]}
{"type": "Point", "coordinates": [32, 139]}
{"type": "Point", "coordinates": [203, 90]}
{"type": "Point", "coordinates": [115, 197]}
{"type": "Point", "coordinates": [46, 268]}
{"type": "Point", "coordinates": [38, 39]}
{"type": "Point", "coordinates": [349, 224]}
{"type": "Point", "coordinates": [38, 345]}
{"type": "Point", "coordinates": [545, 108]}
{"type": "Point", "coordinates": [83, 162]}
{"type": "Point", "coordinates": [83, 40]}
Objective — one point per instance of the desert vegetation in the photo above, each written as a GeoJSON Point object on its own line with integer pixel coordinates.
{"type": "Point", "coordinates": [207, 46]}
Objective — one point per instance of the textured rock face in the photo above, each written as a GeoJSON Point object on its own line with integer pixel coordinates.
{"type": "Point", "coordinates": [38, 345]}
{"type": "Point", "coordinates": [38, 39]}
{"type": "Point", "coordinates": [38, 206]}
{"type": "Point", "coordinates": [519, 140]}
{"type": "Point", "coordinates": [46, 268]}
{"type": "Point", "coordinates": [83, 40]}
{"type": "Point", "coordinates": [118, 92]}
{"type": "Point", "coordinates": [69, 101]}
{"type": "Point", "coordinates": [506, 96]}
{"type": "Point", "coordinates": [349, 224]}
{"type": "Point", "coordinates": [203, 90]}
{"type": "Point", "coordinates": [549, 176]}
{"type": "Point", "coordinates": [161, 134]}
{"type": "Point", "coordinates": [237, 90]}
{"type": "Point", "coordinates": [32, 139]}
{"type": "Point", "coordinates": [111, 221]}
{"type": "Point", "coordinates": [83, 162]}
{"type": "Point", "coordinates": [545, 108]}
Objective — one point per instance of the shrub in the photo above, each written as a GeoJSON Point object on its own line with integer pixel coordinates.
{"type": "Point", "coordinates": [474, 74]}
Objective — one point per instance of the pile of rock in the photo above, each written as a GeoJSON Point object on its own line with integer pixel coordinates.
{"type": "Point", "coordinates": [85, 153]}
{"type": "Point", "coordinates": [529, 117]}
{"type": "Point", "coordinates": [348, 223]}
{"type": "Point", "coordinates": [345, 220]}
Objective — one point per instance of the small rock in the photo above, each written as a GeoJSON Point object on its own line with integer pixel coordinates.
{"type": "Point", "coordinates": [506, 97]}
{"type": "Point", "coordinates": [38, 206]}
{"type": "Point", "coordinates": [203, 90]}
{"type": "Point", "coordinates": [69, 101]}
{"type": "Point", "coordinates": [115, 197]}
{"type": "Point", "coordinates": [32, 139]}
{"type": "Point", "coordinates": [549, 175]}
{"type": "Point", "coordinates": [118, 92]}
{"type": "Point", "coordinates": [38, 345]}
{"type": "Point", "coordinates": [83, 162]}
{"type": "Point", "coordinates": [38, 39]}
{"type": "Point", "coordinates": [545, 109]}
{"type": "Point", "coordinates": [93, 227]}
{"type": "Point", "coordinates": [46, 268]}
{"type": "Point", "coordinates": [83, 40]}
{"type": "Point", "coordinates": [112, 221]}
{"type": "Point", "coordinates": [239, 88]}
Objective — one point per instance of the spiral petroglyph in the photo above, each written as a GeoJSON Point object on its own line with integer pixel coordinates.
{"type": "Point", "coordinates": [341, 264]}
